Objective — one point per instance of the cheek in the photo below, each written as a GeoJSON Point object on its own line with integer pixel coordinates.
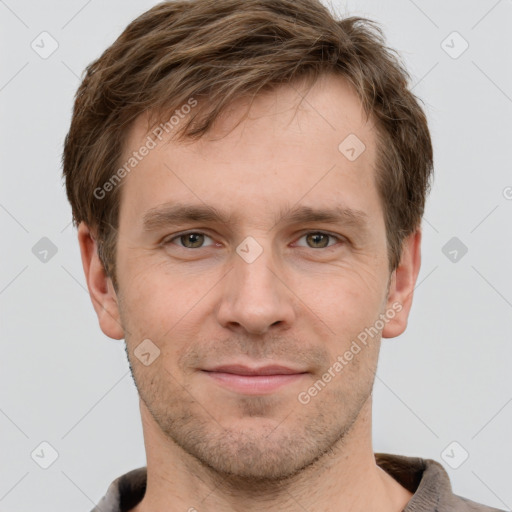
{"type": "Point", "coordinates": [165, 307]}
{"type": "Point", "coordinates": [346, 297]}
{"type": "Point", "coordinates": [163, 291]}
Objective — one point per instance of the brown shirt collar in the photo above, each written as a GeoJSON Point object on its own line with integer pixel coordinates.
{"type": "Point", "coordinates": [426, 478]}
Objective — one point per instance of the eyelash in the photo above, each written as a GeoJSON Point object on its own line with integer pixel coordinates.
{"type": "Point", "coordinates": [178, 236]}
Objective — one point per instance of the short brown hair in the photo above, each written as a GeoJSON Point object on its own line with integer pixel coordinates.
{"type": "Point", "coordinates": [220, 50]}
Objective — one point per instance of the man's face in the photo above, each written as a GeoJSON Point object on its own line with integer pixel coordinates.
{"type": "Point", "coordinates": [196, 289]}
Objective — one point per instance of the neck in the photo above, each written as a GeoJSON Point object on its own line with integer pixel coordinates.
{"type": "Point", "coordinates": [345, 479]}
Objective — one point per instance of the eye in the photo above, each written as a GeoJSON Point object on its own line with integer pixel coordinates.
{"type": "Point", "coordinates": [319, 239]}
{"type": "Point", "coordinates": [196, 240]}
{"type": "Point", "coordinates": [190, 240]}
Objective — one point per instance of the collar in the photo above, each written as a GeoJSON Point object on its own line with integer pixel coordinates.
{"type": "Point", "coordinates": [425, 478]}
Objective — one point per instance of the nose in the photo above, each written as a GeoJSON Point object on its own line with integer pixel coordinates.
{"type": "Point", "coordinates": [255, 297]}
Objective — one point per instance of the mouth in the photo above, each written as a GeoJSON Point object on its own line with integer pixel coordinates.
{"type": "Point", "coordinates": [254, 380]}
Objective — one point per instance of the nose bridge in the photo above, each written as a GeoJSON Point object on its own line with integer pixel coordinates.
{"type": "Point", "coordinates": [254, 298]}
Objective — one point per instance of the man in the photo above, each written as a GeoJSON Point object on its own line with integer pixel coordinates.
{"type": "Point", "coordinates": [248, 179]}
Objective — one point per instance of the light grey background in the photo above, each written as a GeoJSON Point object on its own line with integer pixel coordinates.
{"type": "Point", "coordinates": [446, 379]}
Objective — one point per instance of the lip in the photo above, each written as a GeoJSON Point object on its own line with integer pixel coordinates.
{"type": "Point", "coordinates": [248, 380]}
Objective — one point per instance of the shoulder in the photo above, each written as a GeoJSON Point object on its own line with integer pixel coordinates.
{"type": "Point", "coordinates": [429, 482]}
{"type": "Point", "coordinates": [466, 505]}
{"type": "Point", "coordinates": [125, 492]}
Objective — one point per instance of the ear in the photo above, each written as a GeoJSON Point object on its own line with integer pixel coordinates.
{"type": "Point", "coordinates": [101, 290]}
{"type": "Point", "coordinates": [401, 287]}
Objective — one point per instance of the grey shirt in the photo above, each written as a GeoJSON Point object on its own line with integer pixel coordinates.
{"type": "Point", "coordinates": [426, 478]}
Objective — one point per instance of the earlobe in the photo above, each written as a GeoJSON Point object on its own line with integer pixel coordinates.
{"type": "Point", "coordinates": [101, 290]}
{"type": "Point", "coordinates": [401, 288]}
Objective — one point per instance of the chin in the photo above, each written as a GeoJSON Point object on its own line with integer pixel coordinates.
{"type": "Point", "coordinates": [257, 451]}
{"type": "Point", "coordinates": [258, 461]}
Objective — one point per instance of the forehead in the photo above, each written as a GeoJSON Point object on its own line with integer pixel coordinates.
{"type": "Point", "coordinates": [296, 145]}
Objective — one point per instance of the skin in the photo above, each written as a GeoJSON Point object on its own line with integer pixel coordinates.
{"type": "Point", "coordinates": [300, 304]}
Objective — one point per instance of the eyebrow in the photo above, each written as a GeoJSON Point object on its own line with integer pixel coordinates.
{"type": "Point", "coordinates": [175, 214]}
{"type": "Point", "coordinates": [334, 215]}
